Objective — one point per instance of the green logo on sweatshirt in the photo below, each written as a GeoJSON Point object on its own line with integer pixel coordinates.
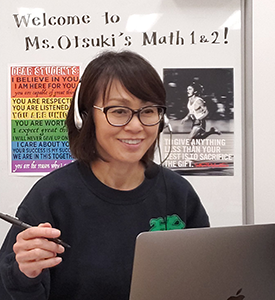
{"type": "Point", "coordinates": [173, 222]}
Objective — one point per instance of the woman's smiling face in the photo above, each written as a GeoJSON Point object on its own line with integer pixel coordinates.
{"type": "Point", "coordinates": [126, 144]}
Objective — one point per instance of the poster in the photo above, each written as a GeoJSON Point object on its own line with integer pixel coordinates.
{"type": "Point", "coordinates": [40, 99]}
{"type": "Point", "coordinates": [201, 113]}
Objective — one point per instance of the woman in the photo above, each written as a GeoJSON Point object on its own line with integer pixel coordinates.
{"type": "Point", "coordinates": [104, 199]}
{"type": "Point", "coordinates": [197, 113]}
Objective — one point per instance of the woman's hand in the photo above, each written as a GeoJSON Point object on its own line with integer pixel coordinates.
{"type": "Point", "coordinates": [33, 252]}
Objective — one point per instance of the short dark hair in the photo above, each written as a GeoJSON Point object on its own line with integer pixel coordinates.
{"type": "Point", "coordinates": [134, 72]}
{"type": "Point", "coordinates": [198, 88]}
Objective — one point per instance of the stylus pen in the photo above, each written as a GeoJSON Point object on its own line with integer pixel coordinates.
{"type": "Point", "coordinates": [18, 223]}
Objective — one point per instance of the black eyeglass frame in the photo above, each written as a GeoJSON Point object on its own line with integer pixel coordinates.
{"type": "Point", "coordinates": [134, 111]}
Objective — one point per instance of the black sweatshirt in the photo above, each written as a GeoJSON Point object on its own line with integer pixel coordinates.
{"type": "Point", "coordinates": [101, 225]}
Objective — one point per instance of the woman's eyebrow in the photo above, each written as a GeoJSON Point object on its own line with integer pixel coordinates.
{"type": "Point", "coordinates": [119, 99]}
{"type": "Point", "coordinates": [128, 101]}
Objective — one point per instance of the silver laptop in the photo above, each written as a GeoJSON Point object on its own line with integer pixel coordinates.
{"type": "Point", "coordinates": [205, 264]}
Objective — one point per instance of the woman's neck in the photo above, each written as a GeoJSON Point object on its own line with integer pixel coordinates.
{"type": "Point", "coordinates": [119, 176]}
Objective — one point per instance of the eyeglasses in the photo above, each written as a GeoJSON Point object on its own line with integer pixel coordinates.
{"type": "Point", "coordinates": [121, 115]}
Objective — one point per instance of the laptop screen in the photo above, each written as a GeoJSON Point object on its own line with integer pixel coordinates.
{"type": "Point", "coordinates": [227, 263]}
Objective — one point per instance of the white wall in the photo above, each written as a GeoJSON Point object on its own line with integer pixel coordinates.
{"type": "Point", "coordinates": [263, 109]}
{"type": "Point", "coordinates": [224, 208]}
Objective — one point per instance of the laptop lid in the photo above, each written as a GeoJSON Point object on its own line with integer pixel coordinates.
{"type": "Point", "coordinates": [227, 263]}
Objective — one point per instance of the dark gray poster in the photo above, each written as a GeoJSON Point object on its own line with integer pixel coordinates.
{"type": "Point", "coordinates": [200, 109]}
